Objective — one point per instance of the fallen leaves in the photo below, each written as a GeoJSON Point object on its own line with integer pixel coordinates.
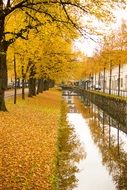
{"type": "Point", "coordinates": [28, 142]}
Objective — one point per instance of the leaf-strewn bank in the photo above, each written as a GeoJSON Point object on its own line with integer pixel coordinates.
{"type": "Point", "coordinates": [28, 135]}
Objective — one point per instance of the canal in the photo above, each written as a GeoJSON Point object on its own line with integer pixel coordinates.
{"type": "Point", "coordinates": [105, 145]}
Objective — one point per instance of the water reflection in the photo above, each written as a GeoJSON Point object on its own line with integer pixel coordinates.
{"type": "Point", "coordinates": [92, 175]}
{"type": "Point", "coordinates": [110, 137]}
{"type": "Point", "coordinates": [105, 143]}
{"type": "Point", "coordinates": [90, 168]}
{"type": "Point", "coordinates": [69, 98]}
{"type": "Point", "coordinates": [70, 152]}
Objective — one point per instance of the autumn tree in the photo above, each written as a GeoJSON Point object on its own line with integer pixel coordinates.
{"type": "Point", "coordinates": [121, 50]}
{"type": "Point", "coordinates": [50, 59]}
{"type": "Point", "coordinates": [114, 52]}
{"type": "Point", "coordinates": [34, 14]}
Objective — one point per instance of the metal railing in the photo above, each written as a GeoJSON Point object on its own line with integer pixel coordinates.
{"type": "Point", "coordinates": [122, 93]}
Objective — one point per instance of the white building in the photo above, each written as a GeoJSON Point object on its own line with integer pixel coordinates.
{"type": "Point", "coordinates": [99, 78]}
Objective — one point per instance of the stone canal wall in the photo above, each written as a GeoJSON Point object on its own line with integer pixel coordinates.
{"type": "Point", "coordinates": [115, 106]}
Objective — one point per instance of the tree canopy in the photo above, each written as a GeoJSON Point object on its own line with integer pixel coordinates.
{"type": "Point", "coordinates": [28, 21]}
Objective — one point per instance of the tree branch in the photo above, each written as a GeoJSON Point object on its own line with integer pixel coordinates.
{"type": "Point", "coordinates": [20, 34]}
{"type": "Point", "coordinates": [8, 3]}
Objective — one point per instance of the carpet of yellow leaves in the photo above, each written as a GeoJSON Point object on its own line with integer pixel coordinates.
{"type": "Point", "coordinates": [28, 134]}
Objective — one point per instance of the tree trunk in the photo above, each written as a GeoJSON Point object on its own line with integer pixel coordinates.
{"type": "Point", "coordinates": [99, 79]}
{"type": "Point", "coordinates": [109, 132]}
{"type": "Point", "coordinates": [38, 85]}
{"type": "Point", "coordinates": [95, 79]}
{"type": "Point", "coordinates": [15, 91]}
{"type": "Point", "coordinates": [46, 85]}
{"type": "Point", "coordinates": [23, 83]}
{"type": "Point", "coordinates": [32, 87]}
{"type": "Point", "coordinates": [52, 83]}
{"type": "Point", "coordinates": [42, 85]}
{"type": "Point", "coordinates": [3, 65]}
{"type": "Point", "coordinates": [32, 82]}
{"type": "Point", "coordinates": [104, 81]}
{"type": "Point", "coordinates": [3, 80]}
{"type": "Point", "coordinates": [110, 78]}
{"type": "Point", "coordinates": [92, 82]}
{"type": "Point", "coordinates": [119, 79]}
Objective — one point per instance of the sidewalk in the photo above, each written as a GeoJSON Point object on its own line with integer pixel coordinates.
{"type": "Point", "coordinates": [10, 93]}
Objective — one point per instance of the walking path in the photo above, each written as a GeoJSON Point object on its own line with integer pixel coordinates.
{"type": "Point", "coordinates": [10, 93]}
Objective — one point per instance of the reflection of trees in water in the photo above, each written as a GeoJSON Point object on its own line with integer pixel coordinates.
{"type": "Point", "coordinates": [116, 162]}
{"type": "Point", "coordinates": [113, 155]}
{"type": "Point", "coordinates": [69, 153]}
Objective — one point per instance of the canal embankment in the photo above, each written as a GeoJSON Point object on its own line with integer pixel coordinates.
{"type": "Point", "coordinates": [115, 106]}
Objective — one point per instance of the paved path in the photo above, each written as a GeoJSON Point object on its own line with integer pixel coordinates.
{"type": "Point", "coordinates": [10, 93]}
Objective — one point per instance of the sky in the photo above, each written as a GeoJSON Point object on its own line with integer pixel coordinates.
{"type": "Point", "coordinates": [88, 46]}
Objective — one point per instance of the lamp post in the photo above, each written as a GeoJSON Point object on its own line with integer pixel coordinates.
{"type": "Point", "coordinates": [104, 81]}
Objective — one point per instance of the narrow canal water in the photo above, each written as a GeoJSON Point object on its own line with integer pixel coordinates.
{"type": "Point", "coordinates": [105, 164]}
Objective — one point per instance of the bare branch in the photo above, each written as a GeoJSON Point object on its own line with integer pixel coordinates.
{"type": "Point", "coordinates": [80, 30]}
{"type": "Point", "coordinates": [8, 3]}
{"type": "Point", "coordinates": [77, 5]}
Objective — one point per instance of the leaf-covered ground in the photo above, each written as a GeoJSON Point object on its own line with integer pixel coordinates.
{"type": "Point", "coordinates": [28, 134]}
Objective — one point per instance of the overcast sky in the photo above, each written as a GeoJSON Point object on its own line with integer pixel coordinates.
{"type": "Point", "coordinates": [88, 46]}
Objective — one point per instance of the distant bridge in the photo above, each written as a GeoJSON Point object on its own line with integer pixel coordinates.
{"type": "Point", "coordinates": [71, 91]}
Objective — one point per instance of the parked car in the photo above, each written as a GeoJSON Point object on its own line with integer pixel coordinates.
{"type": "Point", "coordinates": [97, 87]}
{"type": "Point", "coordinates": [10, 85]}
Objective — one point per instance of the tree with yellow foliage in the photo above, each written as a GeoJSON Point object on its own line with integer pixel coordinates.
{"type": "Point", "coordinates": [33, 14]}
{"type": "Point", "coordinates": [52, 62]}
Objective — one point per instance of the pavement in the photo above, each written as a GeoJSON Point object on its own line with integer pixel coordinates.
{"type": "Point", "coordinates": [10, 93]}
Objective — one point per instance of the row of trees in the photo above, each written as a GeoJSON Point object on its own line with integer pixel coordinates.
{"type": "Point", "coordinates": [25, 26]}
{"type": "Point", "coordinates": [113, 53]}
{"type": "Point", "coordinates": [43, 58]}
